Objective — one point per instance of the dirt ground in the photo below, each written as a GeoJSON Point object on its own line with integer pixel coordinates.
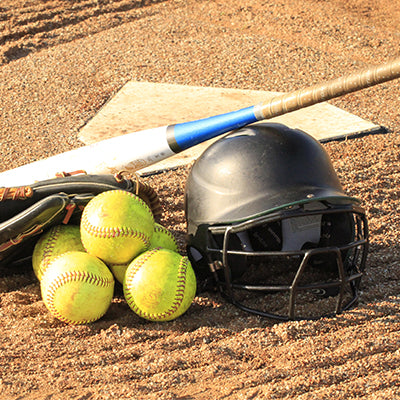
{"type": "Point", "coordinates": [59, 63]}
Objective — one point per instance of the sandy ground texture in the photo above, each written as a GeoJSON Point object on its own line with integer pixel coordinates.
{"type": "Point", "coordinates": [59, 63]}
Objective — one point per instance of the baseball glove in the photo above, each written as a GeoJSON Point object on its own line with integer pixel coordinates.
{"type": "Point", "coordinates": [26, 212]}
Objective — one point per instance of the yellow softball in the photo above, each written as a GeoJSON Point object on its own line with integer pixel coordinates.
{"type": "Point", "coordinates": [159, 285]}
{"type": "Point", "coordinates": [116, 226]}
{"type": "Point", "coordinates": [54, 242]}
{"type": "Point", "coordinates": [118, 270]}
{"type": "Point", "coordinates": [77, 287]}
{"type": "Point", "coordinates": [162, 237]}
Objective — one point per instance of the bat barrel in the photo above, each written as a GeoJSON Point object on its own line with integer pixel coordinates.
{"type": "Point", "coordinates": [302, 98]}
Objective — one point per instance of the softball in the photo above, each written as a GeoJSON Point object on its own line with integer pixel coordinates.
{"type": "Point", "coordinates": [116, 226]}
{"type": "Point", "coordinates": [54, 242]}
{"type": "Point", "coordinates": [77, 288]}
{"type": "Point", "coordinates": [162, 237]}
{"type": "Point", "coordinates": [118, 270]}
{"type": "Point", "coordinates": [159, 285]}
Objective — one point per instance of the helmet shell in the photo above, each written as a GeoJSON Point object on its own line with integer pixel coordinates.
{"type": "Point", "coordinates": [255, 170]}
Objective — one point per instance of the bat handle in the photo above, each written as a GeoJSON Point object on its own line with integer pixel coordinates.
{"type": "Point", "coordinates": [301, 98]}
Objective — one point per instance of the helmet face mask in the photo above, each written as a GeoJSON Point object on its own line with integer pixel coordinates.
{"type": "Point", "coordinates": [319, 278]}
{"type": "Point", "coordinates": [297, 260]}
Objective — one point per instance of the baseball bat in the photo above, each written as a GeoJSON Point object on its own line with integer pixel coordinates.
{"type": "Point", "coordinates": [137, 150]}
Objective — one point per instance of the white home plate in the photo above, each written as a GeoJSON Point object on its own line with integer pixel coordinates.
{"type": "Point", "coordinates": [143, 105]}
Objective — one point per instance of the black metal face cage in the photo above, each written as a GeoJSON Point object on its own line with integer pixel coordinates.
{"type": "Point", "coordinates": [349, 272]}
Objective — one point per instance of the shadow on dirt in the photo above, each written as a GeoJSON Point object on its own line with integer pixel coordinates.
{"type": "Point", "coordinates": [40, 27]}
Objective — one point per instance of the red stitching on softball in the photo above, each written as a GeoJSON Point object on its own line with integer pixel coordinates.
{"type": "Point", "coordinates": [160, 228]}
{"type": "Point", "coordinates": [49, 248]}
{"type": "Point", "coordinates": [114, 232]}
